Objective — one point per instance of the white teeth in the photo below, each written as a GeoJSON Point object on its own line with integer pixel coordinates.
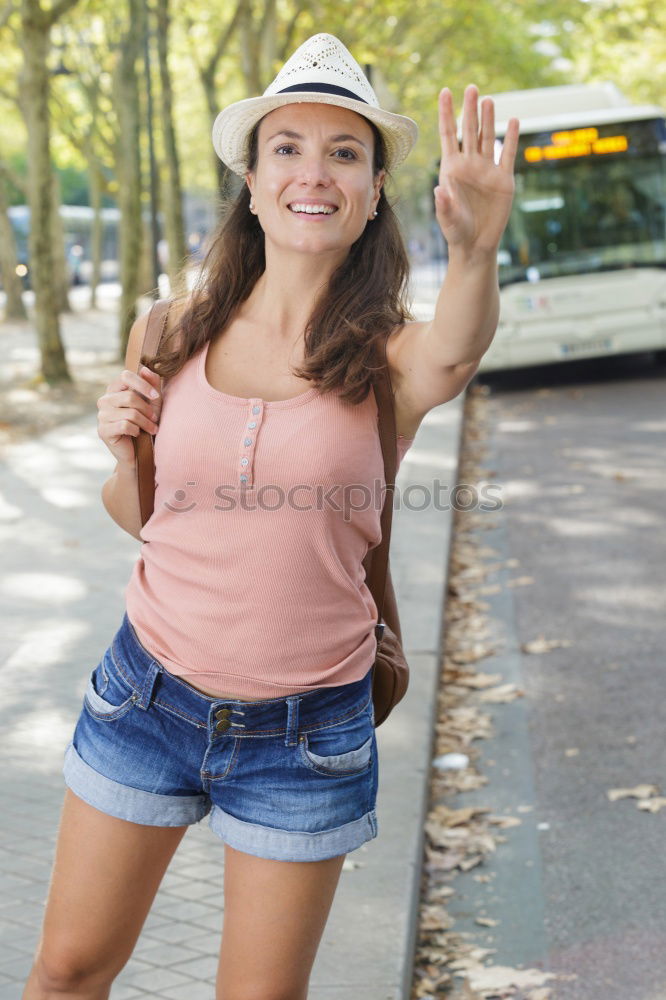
{"type": "Point", "coordinates": [312, 209]}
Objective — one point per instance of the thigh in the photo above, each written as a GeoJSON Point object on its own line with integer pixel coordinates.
{"type": "Point", "coordinates": [106, 873]}
{"type": "Point", "coordinates": [274, 916]}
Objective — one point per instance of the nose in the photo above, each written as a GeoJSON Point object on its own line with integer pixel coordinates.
{"type": "Point", "coordinates": [314, 169]}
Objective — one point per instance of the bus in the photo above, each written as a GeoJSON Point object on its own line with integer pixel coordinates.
{"type": "Point", "coordinates": [582, 262]}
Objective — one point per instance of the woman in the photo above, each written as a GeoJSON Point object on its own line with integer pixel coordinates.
{"type": "Point", "coordinates": [239, 681]}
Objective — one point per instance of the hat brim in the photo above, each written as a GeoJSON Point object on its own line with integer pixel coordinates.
{"type": "Point", "coordinates": [232, 127]}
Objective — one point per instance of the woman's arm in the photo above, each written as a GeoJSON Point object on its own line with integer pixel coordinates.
{"type": "Point", "coordinates": [435, 360]}
{"type": "Point", "coordinates": [120, 493]}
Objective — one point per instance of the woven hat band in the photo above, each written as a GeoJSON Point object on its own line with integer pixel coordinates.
{"type": "Point", "coordinates": [322, 88]}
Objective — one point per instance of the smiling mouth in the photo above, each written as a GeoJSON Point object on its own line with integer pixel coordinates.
{"type": "Point", "coordinates": [315, 211]}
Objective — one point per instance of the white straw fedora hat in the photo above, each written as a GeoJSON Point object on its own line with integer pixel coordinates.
{"type": "Point", "coordinates": [323, 71]}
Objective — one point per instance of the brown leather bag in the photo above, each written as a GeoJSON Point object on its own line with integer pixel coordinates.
{"type": "Point", "coordinates": [390, 671]}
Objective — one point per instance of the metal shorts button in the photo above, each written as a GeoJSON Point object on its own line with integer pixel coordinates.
{"type": "Point", "coordinates": [223, 713]}
{"type": "Point", "coordinates": [223, 725]}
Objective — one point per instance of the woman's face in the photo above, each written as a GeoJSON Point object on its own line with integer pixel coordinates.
{"type": "Point", "coordinates": [316, 154]}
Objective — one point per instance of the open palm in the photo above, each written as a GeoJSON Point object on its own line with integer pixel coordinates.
{"type": "Point", "coordinates": [474, 194]}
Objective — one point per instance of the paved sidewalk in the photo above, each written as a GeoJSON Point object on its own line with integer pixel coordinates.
{"type": "Point", "coordinates": [66, 565]}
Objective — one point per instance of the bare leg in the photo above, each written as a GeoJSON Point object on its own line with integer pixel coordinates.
{"type": "Point", "coordinates": [274, 916]}
{"type": "Point", "coordinates": [105, 875]}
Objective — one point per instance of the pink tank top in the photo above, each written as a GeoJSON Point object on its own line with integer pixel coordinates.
{"type": "Point", "coordinates": [250, 578]}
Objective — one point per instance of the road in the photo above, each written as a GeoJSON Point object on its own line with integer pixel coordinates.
{"type": "Point", "coordinates": [578, 887]}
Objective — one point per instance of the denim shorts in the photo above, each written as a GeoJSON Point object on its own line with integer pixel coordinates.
{"type": "Point", "coordinates": [291, 778]}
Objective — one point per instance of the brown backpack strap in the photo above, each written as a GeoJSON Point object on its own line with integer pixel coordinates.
{"type": "Point", "coordinates": [388, 436]}
{"type": "Point", "coordinates": [143, 442]}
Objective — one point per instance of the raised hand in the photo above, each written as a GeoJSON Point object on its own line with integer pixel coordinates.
{"type": "Point", "coordinates": [474, 194]}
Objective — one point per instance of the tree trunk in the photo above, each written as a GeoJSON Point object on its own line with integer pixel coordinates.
{"type": "Point", "coordinates": [35, 91]}
{"type": "Point", "coordinates": [97, 230]}
{"type": "Point", "coordinates": [146, 269]}
{"type": "Point", "coordinates": [173, 196]}
{"type": "Point", "coordinates": [12, 284]}
{"type": "Point", "coordinates": [128, 170]}
{"type": "Point", "coordinates": [250, 51]}
{"type": "Point", "coordinates": [207, 76]}
{"type": "Point", "coordinates": [61, 273]}
{"type": "Point", "coordinates": [222, 171]}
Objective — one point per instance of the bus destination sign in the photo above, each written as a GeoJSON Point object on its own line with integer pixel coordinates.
{"type": "Point", "coordinates": [575, 142]}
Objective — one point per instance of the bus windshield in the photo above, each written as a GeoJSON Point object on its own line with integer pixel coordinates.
{"type": "Point", "coordinates": [587, 200]}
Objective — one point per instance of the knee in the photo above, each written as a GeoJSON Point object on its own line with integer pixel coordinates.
{"type": "Point", "coordinates": [65, 970]}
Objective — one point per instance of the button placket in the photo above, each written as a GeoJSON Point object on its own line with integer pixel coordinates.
{"type": "Point", "coordinates": [248, 442]}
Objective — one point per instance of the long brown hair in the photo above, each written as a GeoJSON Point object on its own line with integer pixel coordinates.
{"type": "Point", "coordinates": [365, 298]}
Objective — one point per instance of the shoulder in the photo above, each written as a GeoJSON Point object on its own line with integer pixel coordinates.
{"type": "Point", "coordinates": [138, 329]}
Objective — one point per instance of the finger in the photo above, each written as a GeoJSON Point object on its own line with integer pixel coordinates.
{"type": "Point", "coordinates": [132, 420]}
{"type": "Point", "coordinates": [148, 373]}
{"type": "Point", "coordinates": [510, 145]}
{"type": "Point", "coordinates": [113, 430]}
{"type": "Point", "coordinates": [132, 400]}
{"type": "Point", "coordinates": [142, 383]}
{"type": "Point", "coordinates": [117, 405]}
{"type": "Point", "coordinates": [470, 123]}
{"type": "Point", "coordinates": [487, 137]}
{"type": "Point", "coordinates": [447, 124]}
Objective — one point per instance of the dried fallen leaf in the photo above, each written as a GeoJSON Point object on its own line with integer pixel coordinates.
{"type": "Point", "coordinates": [456, 817]}
{"type": "Point", "coordinates": [571, 752]}
{"type": "Point", "coordinates": [543, 645]}
{"type": "Point", "coordinates": [637, 792]}
{"type": "Point", "coordinates": [477, 652]}
{"type": "Point", "coordinates": [478, 680]}
{"type": "Point", "coordinates": [505, 821]}
{"type": "Point", "coordinates": [652, 805]}
{"type": "Point", "coordinates": [500, 977]}
{"type": "Point", "coordinates": [486, 921]}
{"type": "Point", "coordinates": [502, 693]}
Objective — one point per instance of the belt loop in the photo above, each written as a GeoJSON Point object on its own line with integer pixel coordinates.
{"type": "Point", "coordinates": [152, 673]}
{"type": "Point", "coordinates": [291, 739]}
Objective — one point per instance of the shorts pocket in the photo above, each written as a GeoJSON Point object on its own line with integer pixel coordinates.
{"type": "Point", "coordinates": [344, 748]}
{"type": "Point", "coordinates": [108, 695]}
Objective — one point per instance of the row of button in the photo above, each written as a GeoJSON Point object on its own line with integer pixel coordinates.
{"type": "Point", "coordinates": [248, 442]}
{"type": "Point", "coordinates": [224, 722]}
{"type": "Point", "coordinates": [223, 716]}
